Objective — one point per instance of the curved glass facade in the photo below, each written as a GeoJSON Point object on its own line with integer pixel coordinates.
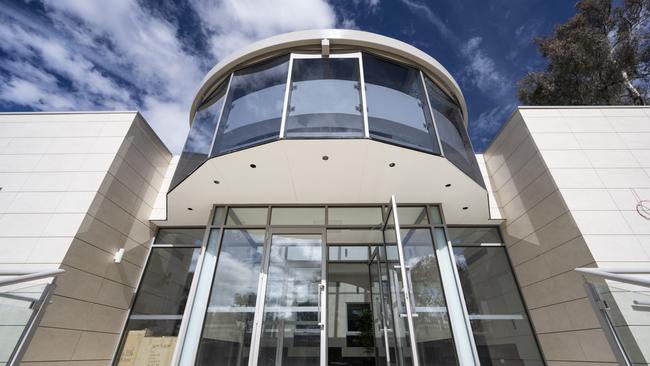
{"type": "Point", "coordinates": [302, 96]}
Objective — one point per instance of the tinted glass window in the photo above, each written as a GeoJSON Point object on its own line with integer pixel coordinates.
{"type": "Point", "coordinates": [397, 109]}
{"type": "Point", "coordinates": [253, 109]}
{"type": "Point", "coordinates": [502, 331]}
{"type": "Point", "coordinates": [158, 309]}
{"type": "Point", "coordinates": [325, 98]}
{"type": "Point", "coordinates": [474, 236]}
{"type": "Point", "coordinates": [453, 136]}
{"type": "Point", "coordinates": [180, 236]}
{"type": "Point", "coordinates": [199, 139]}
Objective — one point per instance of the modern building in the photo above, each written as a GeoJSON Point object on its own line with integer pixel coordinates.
{"type": "Point", "coordinates": [327, 209]}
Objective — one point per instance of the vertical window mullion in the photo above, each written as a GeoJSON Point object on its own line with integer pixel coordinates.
{"type": "Point", "coordinates": [364, 106]}
{"type": "Point", "coordinates": [287, 95]}
{"type": "Point", "coordinates": [433, 118]}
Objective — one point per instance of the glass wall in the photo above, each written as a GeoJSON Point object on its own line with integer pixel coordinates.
{"type": "Point", "coordinates": [253, 110]}
{"type": "Point", "coordinates": [156, 314]}
{"type": "Point", "coordinates": [397, 108]}
{"type": "Point", "coordinates": [227, 328]}
{"type": "Point", "coordinates": [325, 99]}
{"type": "Point", "coordinates": [455, 142]}
{"type": "Point", "coordinates": [501, 327]}
{"type": "Point", "coordinates": [199, 139]}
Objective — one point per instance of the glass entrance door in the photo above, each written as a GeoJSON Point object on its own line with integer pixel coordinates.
{"type": "Point", "coordinates": [382, 310]}
{"type": "Point", "coordinates": [291, 329]}
{"type": "Point", "coordinates": [421, 324]}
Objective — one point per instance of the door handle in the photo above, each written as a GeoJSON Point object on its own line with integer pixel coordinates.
{"type": "Point", "coordinates": [321, 291]}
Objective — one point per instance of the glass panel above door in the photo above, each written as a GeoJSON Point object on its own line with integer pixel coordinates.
{"type": "Point", "coordinates": [325, 99]}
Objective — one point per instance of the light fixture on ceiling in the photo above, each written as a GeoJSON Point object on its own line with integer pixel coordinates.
{"type": "Point", "coordinates": [448, 185]}
{"type": "Point", "coordinates": [253, 166]}
{"type": "Point", "coordinates": [216, 182]}
{"type": "Point", "coordinates": [325, 157]}
{"type": "Point", "coordinates": [391, 165]}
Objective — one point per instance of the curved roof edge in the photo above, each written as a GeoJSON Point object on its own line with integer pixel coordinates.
{"type": "Point", "coordinates": [343, 37]}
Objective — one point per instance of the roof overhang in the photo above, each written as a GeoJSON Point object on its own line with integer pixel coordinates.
{"type": "Point", "coordinates": [357, 171]}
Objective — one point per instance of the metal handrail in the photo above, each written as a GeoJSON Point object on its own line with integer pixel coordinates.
{"type": "Point", "coordinates": [25, 276]}
{"type": "Point", "coordinates": [619, 274]}
{"type": "Point", "coordinates": [37, 305]}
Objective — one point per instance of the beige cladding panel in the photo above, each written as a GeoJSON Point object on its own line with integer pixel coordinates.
{"type": "Point", "coordinates": [542, 236]}
{"type": "Point", "coordinates": [80, 186]}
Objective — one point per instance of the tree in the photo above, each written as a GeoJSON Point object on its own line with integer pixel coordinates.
{"type": "Point", "coordinates": [601, 56]}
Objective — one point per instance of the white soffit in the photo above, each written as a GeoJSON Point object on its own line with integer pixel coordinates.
{"type": "Point", "coordinates": [356, 171]}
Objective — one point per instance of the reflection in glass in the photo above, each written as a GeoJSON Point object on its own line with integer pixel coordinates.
{"type": "Point", "coordinates": [416, 215]}
{"type": "Point", "coordinates": [247, 216]}
{"type": "Point", "coordinates": [397, 109]}
{"type": "Point", "coordinates": [474, 235]}
{"type": "Point", "coordinates": [451, 129]}
{"type": "Point", "coordinates": [290, 330]}
{"type": "Point", "coordinates": [354, 215]}
{"type": "Point", "coordinates": [180, 236]}
{"type": "Point", "coordinates": [325, 98]}
{"type": "Point", "coordinates": [348, 253]}
{"type": "Point", "coordinates": [159, 305]}
{"type": "Point", "coordinates": [227, 329]}
{"type": "Point", "coordinates": [199, 140]}
{"type": "Point", "coordinates": [502, 332]}
{"type": "Point", "coordinates": [435, 345]}
{"type": "Point", "coordinates": [253, 109]}
{"type": "Point", "coordinates": [298, 216]}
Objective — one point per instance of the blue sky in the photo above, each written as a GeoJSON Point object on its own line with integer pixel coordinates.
{"type": "Point", "coordinates": [151, 55]}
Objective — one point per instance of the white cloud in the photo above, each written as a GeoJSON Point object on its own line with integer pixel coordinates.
{"type": "Point", "coordinates": [233, 24]}
{"type": "Point", "coordinates": [423, 10]}
{"type": "Point", "coordinates": [488, 123]}
{"type": "Point", "coordinates": [481, 70]}
{"type": "Point", "coordinates": [105, 55]}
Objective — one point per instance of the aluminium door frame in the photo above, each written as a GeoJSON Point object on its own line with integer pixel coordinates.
{"type": "Point", "coordinates": [262, 286]}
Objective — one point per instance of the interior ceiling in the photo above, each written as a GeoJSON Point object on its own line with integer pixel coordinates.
{"type": "Point", "coordinates": [356, 171]}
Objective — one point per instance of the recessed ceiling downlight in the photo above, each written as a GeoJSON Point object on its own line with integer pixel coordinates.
{"type": "Point", "coordinates": [465, 208]}
{"type": "Point", "coordinates": [391, 165]}
{"type": "Point", "coordinates": [448, 185]}
{"type": "Point", "coordinates": [325, 157]}
{"type": "Point", "coordinates": [216, 182]}
{"type": "Point", "coordinates": [253, 166]}
{"type": "Point", "coordinates": [190, 209]}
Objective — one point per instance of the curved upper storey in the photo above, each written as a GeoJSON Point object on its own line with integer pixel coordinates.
{"type": "Point", "coordinates": [325, 84]}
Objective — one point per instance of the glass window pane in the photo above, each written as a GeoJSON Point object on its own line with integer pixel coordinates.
{"type": "Point", "coordinates": [298, 216]}
{"type": "Point", "coordinates": [180, 236]}
{"type": "Point", "coordinates": [502, 331]}
{"type": "Point", "coordinates": [247, 216]}
{"type": "Point", "coordinates": [435, 344]}
{"type": "Point", "coordinates": [354, 236]}
{"type": "Point", "coordinates": [199, 139]}
{"type": "Point", "coordinates": [453, 135]}
{"type": "Point", "coordinates": [219, 216]}
{"type": "Point", "coordinates": [474, 236]}
{"type": "Point", "coordinates": [348, 253]}
{"type": "Point", "coordinates": [325, 99]}
{"type": "Point", "coordinates": [354, 215]}
{"type": "Point", "coordinates": [397, 109]}
{"type": "Point", "coordinates": [159, 304]}
{"type": "Point", "coordinates": [227, 330]}
{"type": "Point", "coordinates": [436, 217]}
{"type": "Point", "coordinates": [412, 215]}
{"type": "Point", "coordinates": [253, 110]}
{"type": "Point", "coordinates": [290, 330]}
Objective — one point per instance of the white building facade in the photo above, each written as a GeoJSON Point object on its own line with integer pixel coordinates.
{"type": "Point", "coordinates": [327, 209]}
